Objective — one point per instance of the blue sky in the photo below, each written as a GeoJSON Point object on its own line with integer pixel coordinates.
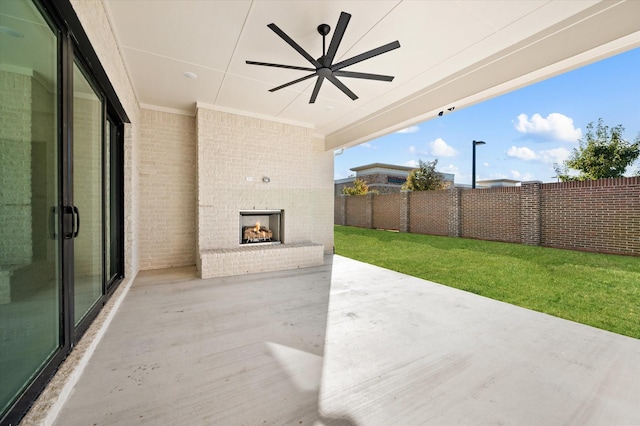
{"type": "Point", "coordinates": [526, 130]}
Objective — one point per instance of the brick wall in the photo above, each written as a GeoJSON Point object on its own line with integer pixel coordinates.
{"type": "Point", "coordinates": [167, 176]}
{"type": "Point", "coordinates": [491, 214]}
{"type": "Point", "coordinates": [530, 214]}
{"type": "Point", "coordinates": [429, 212]}
{"type": "Point", "coordinates": [234, 154]}
{"type": "Point", "coordinates": [602, 216]}
{"type": "Point", "coordinates": [339, 209]}
{"type": "Point", "coordinates": [386, 211]}
{"type": "Point", "coordinates": [356, 211]}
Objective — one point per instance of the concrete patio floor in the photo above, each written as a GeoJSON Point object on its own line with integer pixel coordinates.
{"type": "Point", "coordinates": [346, 344]}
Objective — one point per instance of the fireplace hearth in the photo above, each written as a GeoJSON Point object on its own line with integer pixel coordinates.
{"type": "Point", "coordinates": [261, 226]}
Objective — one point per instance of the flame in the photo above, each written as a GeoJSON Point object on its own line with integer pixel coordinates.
{"type": "Point", "coordinates": [257, 228]}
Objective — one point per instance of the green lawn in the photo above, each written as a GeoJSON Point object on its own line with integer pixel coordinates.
{"type": "Point", "coordinates": [595, 289]}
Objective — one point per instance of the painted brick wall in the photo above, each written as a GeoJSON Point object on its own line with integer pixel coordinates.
{"type": "Point", "coordinates": [234, 154]}
{"type": "Point", "coordinates": [429, 212]}
{"type": "Point", "coordinates": [386, 211]}
{"type": "Point", "coordinates": [167, 190]}
{"type": "Point", "coordinates": [599, 215]}
{"type": "Point", "coordinates": [491, 214]}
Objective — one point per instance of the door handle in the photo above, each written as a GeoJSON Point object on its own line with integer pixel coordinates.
{"type": "Point", "coordinates": [69, 221]}
{"type": "Point", "coordinates": [77, 221]}
{"type": "Point", "coordinates": [72, 222]}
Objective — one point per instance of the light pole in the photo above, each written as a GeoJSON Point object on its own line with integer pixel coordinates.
{"type": "Point", "coordinates": [473, 167]}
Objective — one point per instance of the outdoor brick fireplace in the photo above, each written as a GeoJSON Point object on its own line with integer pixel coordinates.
{"type": "Point", "coordinates": [261, 226]}
{"type": "Point", "coordinates": [242, 198]}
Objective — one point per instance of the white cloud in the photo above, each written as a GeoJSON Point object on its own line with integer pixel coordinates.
{"type": "Point", "coordinates": [486, 164]}
{"type": "Point", "coordinates": [369, 146]}
{"type": "Point", "coordinates": [451, 168]}
{"type": "Point", "coordinates": [557, 155]}
{"type": "Point", "coordinates": [548, 156]}
{"type": "Point", "coordinates": [412, 149]}
{"type": "Point", "coordinates": [410, 129]}
{"type": "Point", "coordinates": [440, 148]}
{"type": "Point", "coordinates": [411, 163]}
{"type": "Point", "coordinates": [555, 127]}
{"type": "Point", "coordinates": [342, 174]}
{"type": "Point", "coordinates": [522, 152]}
{"type": "Point", "coordinates": [524, 177]}
{"type": "Point", "coordinates": [454, 170]}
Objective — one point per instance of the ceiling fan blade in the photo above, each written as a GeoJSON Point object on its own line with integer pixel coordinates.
{"type": "Point", "coordinates": [295, 45]}
{"type": "Point", "coordinates": [293, 82]}
{"type": "Point", "coordinates": [291, 67]}
{"type": "Point", "coordinates": [338, 33]}
{"type": "Point", "coordinates": [342, 87]}
{"type": "Point", "coordinates": [316, 89]}
{"type": "Point", "coordinates": [366, 55]}
{"type": "Point", "coordinates": [367, 76]}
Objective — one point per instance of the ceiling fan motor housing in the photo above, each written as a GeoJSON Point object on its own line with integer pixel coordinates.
{"type": "Point", "coordinates": [324, 29]}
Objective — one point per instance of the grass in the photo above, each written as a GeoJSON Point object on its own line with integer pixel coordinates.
{"type": "Point", "coordinates": [595, 289]}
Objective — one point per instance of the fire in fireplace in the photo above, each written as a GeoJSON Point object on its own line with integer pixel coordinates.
{"type": "Point", "coordinates": [256, 234]}
{"type": "Point", "coordinates": [261, 226]}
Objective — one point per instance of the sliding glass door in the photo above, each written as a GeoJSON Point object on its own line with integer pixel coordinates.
{"type": "Point", "coordinates": [113, 201]}
{"type": "Point", "coordinates": [61, 195]}
{"type": "Point", "coordinates": [88, 122]}
{"type": "Point", "coordinates": [30, 249]}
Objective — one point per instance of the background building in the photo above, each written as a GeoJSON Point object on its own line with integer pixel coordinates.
{"type": "Point", "coordinates": [384, 178]}
{"type": "Point", "coordinates": [497, 183]}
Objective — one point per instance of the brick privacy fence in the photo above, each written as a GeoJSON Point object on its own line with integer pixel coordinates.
{"type": "Point", "coordinates": [600, 216]}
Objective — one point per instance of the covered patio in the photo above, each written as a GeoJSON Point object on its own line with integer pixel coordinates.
{"type": "Point", "coordinates": [148, 118]}
{"type": "Point", "coordinates": [346, 343]}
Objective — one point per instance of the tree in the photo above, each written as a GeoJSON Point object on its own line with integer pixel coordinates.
{"type": "Point", "coordinates": [424, 178]}
{"type": "Point", "coordinates": [601, 154]}
{"type": "Point", "coordinates": [359, 188]}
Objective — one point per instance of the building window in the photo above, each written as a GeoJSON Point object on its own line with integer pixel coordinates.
{"type": "Point", "coordinates": [396, 180]}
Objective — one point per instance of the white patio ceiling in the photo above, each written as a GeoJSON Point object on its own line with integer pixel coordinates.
{"type": "Point", "coordinates": [452, 54]}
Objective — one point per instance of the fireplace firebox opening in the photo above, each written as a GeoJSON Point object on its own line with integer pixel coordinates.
{"type": "Point", "coordinates": [262, 227]}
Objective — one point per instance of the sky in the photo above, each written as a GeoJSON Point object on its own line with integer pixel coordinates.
{"type": "Point", "coordinates": [526, 131]}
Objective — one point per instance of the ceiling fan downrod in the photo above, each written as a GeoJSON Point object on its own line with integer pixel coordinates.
{"type": "Point", "coordinates": [324, 29]}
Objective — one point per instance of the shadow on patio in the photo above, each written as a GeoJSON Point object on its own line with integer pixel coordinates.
{"type": "Point", "coordinates": [346, 344]}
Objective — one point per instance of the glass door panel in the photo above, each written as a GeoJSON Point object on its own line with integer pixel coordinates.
{"type": "Point", "coordinates": [107, 199]}
{"type": "Point", "coordinates": [113, 203]}
{"type": "Point", "coordinates": [88, 120]}
{"type": "Point", "coordinates": [30, 284]}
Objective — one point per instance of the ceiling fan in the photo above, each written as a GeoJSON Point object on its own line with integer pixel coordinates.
{"type": "Point", "coordinates": [324, 66]}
